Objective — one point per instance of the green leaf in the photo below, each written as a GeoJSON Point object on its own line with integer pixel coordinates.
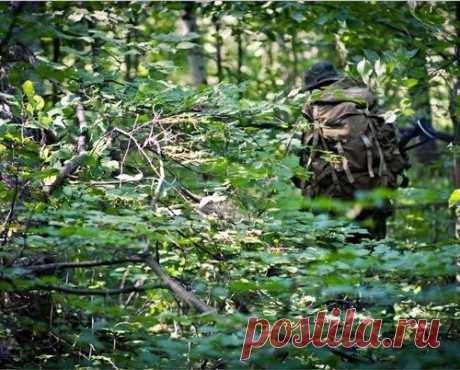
{"type": "Point", "coordinates": [242, 286]}
{"type": "Point", "coordinates": [28, 88]}
{"type": "Point", "coordinates": [454, 198]}
{"type": "Point", "coordinates": [410, 82]}
{"type": "Point", "coordinates": [38, 102]}
{"type": "Point", "coordinates": [185, 45]}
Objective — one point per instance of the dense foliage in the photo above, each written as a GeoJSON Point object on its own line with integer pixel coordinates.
{"type": "Point", "coordinates": [133, 151]}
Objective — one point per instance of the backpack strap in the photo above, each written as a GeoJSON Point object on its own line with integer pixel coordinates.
{"type": "Point", "coordinates": [370, 164]}
{"type": "Point", "coordinates": [346, 168]}
{"type": "Point", "coordinates": [383, 169]}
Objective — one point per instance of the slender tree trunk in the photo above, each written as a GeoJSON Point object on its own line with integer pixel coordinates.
{"type": "Point", "coordinates": [453, 106]}
{"type": "Point", "coordinates": [134, 30]}
{"type": "Point", "coordinates": [453, 110]}
{"type": "Point", "coordinates": [131, 62]}
{"type": "Point", "coordinates": [240, 54]}
{"type": "Point", "coordinates": [218, 44]}
{"type": "Point", "coordinates": [271, 63]}
{"type": "Point", "coordinates": [421, 103]}
{"type": "Point", "coordinates": [196, 57]}
{"type": "Point", "coordinates": [95, 46]}
{"type": "Point", "coordinates": [295, 61]}
{"type": "Point", "coordinates": [128, 58]}
{"type": "Point", "coordinates": [56, 58]}
{"type": "Point", "coordinates": [283, 52]}
{"type": "Point", "coordinates": [239, 43]}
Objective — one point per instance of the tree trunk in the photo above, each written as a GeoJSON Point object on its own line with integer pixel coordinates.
{"type": "Point", "coordinates": [218, 44]}
{"type": "Point", "coordinates": [453, 106]}
{"type": "Point", "coordinates": [270, 66]}
{"type": "Point", "coordinates": [283, 52]}
{"type": "Point", "coordinates": [128, 58]}
{"type": "Point", "coordinates": [131, 62]}
{"type": "Point", "coordinates": [453, 110]}
{"type": "Point", "coordinates": [240, 55]}
{"type": "Point", "coordinates": [196, 57]}
{"type": "Point", "coordinates": [421, 103]}
{"type": "Point", "coordinates": [295, 60]}
{"type": "Point", "coordinates": [56, 58]}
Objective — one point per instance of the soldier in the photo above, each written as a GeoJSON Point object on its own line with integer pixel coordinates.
{"type": "Point", "coordinates": [348, 147]}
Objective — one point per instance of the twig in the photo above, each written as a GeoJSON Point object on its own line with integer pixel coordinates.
{"type": "Point", "coordinates": [159, 173]}
{"type": "Point", "coordinates": [10, 215]}
{"type": "Point", "coordinates": [144, 154]}
{"type": "Point", "coordinates": [59, 339]}
{"type": "Point", "coordinates": [123, 282]}
{"type": "Point", "coordinates": [139, 283]}
{"type": "Point", "coordinates": [161, 177]}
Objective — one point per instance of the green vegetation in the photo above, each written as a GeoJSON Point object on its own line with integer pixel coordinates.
{"type": "Point", "coordinates": [144, 142]}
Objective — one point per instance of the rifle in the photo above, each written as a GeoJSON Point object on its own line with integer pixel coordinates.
{"type": "Point", "coordinates": [423, 129]}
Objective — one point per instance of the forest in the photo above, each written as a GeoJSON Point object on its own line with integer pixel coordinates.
{"type": "Point", "coordinates": [150, 207]}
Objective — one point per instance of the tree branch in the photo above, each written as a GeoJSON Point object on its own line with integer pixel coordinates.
{"type": "Point", "coordinates": [81, 140]}
{"type": "Point", "coordinates": [65, 265]}
{"type": "Point", "coordinates": [69, 168]}
{"type": "Point", "coordinates": [87, 291]}
{"type": "Point", "coordinates": [10, 215]}
{"type": "Point", "coordinates": [167, 282]}
{"type": "Point", "coordinates": [178, 290]}
{"type": "Point", "coordinates": [71, 165]}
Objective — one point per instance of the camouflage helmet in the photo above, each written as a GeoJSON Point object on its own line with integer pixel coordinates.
{"type": "Point", "coordinates": [319, 74]}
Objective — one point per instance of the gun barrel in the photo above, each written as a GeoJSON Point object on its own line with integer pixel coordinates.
{"type": "Point", "coordinates": [423, 129]}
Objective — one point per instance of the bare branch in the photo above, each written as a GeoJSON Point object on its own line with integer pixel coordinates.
{"type": "Point", "coordinates": [6, 225]}
{"type": "Point", "coordinates": [179, 291]}
{"type": "Point", "coordinates": [161, 176]}
{"type": "Point", "coordinates": [81, 141]}
{"type": "Point", "coordinates": [65, 265]}
{"type": "Point", "coordinates": [87, 291]}
{"type": "Point", "coordinates": [69, 168]}
{"type": "Point", "coordinates": [159, 173]}
{"type": "Point", "coordinates": [71, 165]}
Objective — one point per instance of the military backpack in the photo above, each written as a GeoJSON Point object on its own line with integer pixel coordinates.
{"type": "Point", "coordinates": [348, 146]}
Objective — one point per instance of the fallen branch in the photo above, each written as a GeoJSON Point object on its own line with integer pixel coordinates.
{"type": "Point", "coordinates": [178, 290]}
{"type": "Point", "coordinates": [69, 168]}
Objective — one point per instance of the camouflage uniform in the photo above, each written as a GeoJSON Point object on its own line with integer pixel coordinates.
{"type": "Point", "coordinates": [349, 147]}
